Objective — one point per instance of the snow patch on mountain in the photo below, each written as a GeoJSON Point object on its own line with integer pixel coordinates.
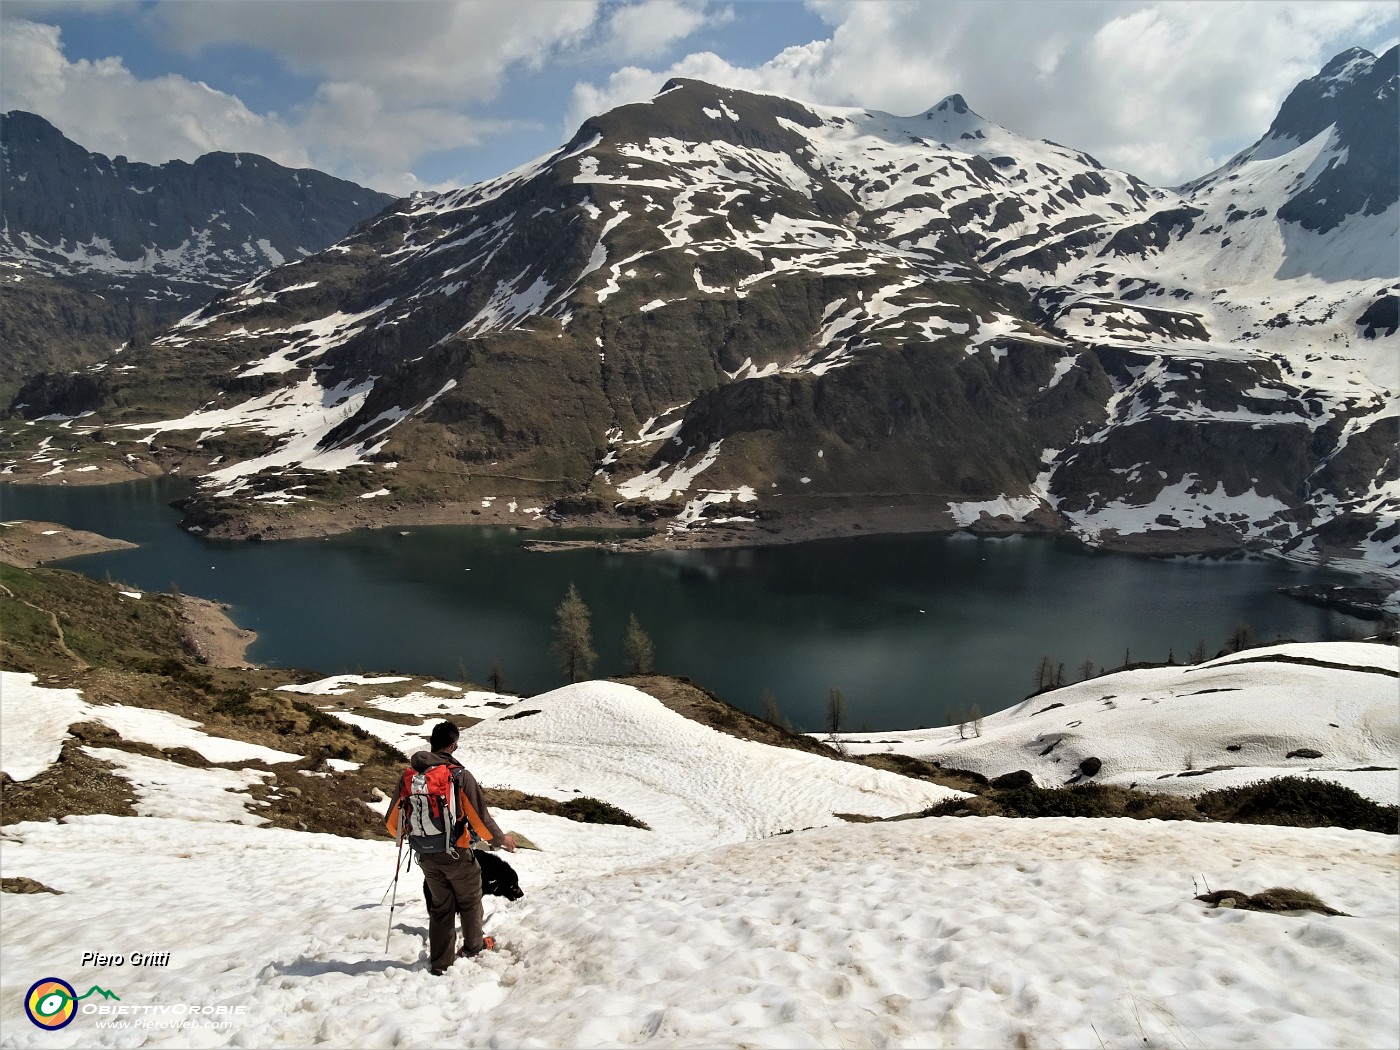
{"type": "Point", "coordinates": [655, 485]}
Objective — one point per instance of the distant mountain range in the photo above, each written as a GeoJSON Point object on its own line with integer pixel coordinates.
{"type": "Point", "coordinates": [737, 312]}
{"type": "Point", "coordinates": [94, 250]}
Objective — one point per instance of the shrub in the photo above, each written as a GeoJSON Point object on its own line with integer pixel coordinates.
{"type": "Point", "coordinates": [1086, 800]}
{"type": "Point", "coordinates": [1299, 802]}
{"type": "Point", "coordinates": [1287, 801]}
{"type": "Point", "coordinates": [595, 811]}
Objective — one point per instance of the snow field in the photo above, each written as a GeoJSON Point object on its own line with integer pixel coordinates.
{"type": "Point", "coordinates": [169, 789]}
{"type": "Point", "coordinates": [693, 786]}
{"type": "Point", "coordinates": [1151, 725]}
{"type": "Point", "coordinates": [446, 701]}
{"type": "Point", "coordinates": [927, 933]}
{"type": "Point", "coordinates": [36, 721]}
{"type": "Point", "coordinates": [714, 927]}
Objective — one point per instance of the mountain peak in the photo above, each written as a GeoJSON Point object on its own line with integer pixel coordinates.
{"type": "Point", "coordinates": [1349, 80]}
{"type": "Point", "coordinates": [954, 103]}
{"type": "Point", "coordinates": [1347, 64]}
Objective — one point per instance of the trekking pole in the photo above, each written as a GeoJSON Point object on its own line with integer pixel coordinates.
{"type": "Point", "coordinates": [394, 901]}
{"type": "Point", "coordinates": [384, 896]}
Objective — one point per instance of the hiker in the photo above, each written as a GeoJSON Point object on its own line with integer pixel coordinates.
{"type": "Point", "coordinates": [446, 813]}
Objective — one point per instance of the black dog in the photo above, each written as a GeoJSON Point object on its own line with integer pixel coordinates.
{"type": "Point", "coordinates": [498, 879]}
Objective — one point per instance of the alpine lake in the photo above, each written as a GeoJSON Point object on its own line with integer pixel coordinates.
{"type": "Point", "coordinates": [911, 628]}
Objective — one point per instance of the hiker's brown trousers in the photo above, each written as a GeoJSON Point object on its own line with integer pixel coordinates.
{"type": "Point", "coordinates": [454, 885]}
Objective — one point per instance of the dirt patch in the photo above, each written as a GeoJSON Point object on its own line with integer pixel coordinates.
{"type": "Point", "coordinates": [21, 884]}
{"type": "Point", "coordinates": [211, 635]}
{"type": "Point", "coordinates": [584, 809]}
{"type": "Point", "coordinates": [76, 785]}
{"type": "Point", "coordinates": [686, 698]}
{"type": "Point", "coordinates": [352, 696]}
{"type": "Point", "coordinates": [919, 769]}
{"type": "Point", "coordinates": [1279, 899]}
{"type": "Point", "coordinates": [30, 543]}
{"type": "Point", "coordinates": [310, 799]}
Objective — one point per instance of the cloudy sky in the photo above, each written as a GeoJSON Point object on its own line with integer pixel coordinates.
{"type": "Point", "coordinates": [404, 95]}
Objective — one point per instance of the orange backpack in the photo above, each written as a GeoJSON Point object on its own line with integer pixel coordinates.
{"type": "Point", "coordinates": [433, 813]}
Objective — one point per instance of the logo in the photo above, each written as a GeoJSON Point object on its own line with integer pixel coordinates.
{"type": "Point", "coordinates": [52, 1003]}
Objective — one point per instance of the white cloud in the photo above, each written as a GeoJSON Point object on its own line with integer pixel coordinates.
{"type": "Point", "coordinates": [411, 52]}
{"type": "Point", "coordinates": [348, 127]}
{"type": "Point", "coordinates": [103, 106]}
{"type": "Point", "coordinates": [1165, 90]}
{"type": "Point", "coordinates": [394, 81]}
{"type": "Point", "coordinates": [646, 30]}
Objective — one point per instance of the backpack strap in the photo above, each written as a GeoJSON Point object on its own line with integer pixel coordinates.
{"type": "Point", "coordinates": [474, 821]}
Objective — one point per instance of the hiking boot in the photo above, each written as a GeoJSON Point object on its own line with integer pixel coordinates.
{"type": "Point", "coordinates": [487, 944]}
{"type": "Point", "coordinates": [436, 972]}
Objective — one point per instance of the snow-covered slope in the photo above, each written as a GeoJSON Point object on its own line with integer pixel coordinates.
{"type": "Point", "coordinates": [953, 933]}
{"type": "Point", "coordinates": [1320, 710]}
{"type": "Point", "coordinates": [692, 785]}
{"type": "Point", "coordinates": [1287, 262]}
{"type": "Point", "coordinates": [715, 927]}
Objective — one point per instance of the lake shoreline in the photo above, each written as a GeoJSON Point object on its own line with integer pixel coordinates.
{"type": "Point", "coordinates": [800, 520]}
{"type": "Point", "coordinates": [28, 544]}
{"type": "Point", "coordinates": [906, 623]}
{"type": "Point", "coordinates": [217, 641]}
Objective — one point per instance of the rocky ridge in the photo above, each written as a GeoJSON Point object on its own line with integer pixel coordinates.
{"type": "Point", "coordinates": [96, 250]}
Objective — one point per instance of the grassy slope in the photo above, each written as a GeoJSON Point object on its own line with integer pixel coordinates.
{"type": "Point", "coordinates": [74, 632]}
{"type": "Point", "coordinates": [79, 633]}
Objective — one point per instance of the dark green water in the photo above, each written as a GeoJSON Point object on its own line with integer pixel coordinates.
{"type": "Point", "coordinates": [906, 626]}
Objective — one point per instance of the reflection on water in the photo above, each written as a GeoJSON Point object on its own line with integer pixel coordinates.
{"type": "Point", "coordinates": [907, 626]}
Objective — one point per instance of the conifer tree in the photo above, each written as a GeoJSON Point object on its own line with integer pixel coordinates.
{"type": "Point", "coordinates": [772, 714]}
{"type": "Point", "coordinates": [641, 654]}
{"type": "Point", "coordinates": [497, 678]}
{"type": "Point", "coordinates": [573, 637]}
{"type": "Point", "coordinates": [1086, 670]}
{"type": "Point", "coordinates": [835, 710]}
{"type": "Point", "coordinates": [1242, 637]}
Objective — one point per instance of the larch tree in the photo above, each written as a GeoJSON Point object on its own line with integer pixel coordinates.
{"type": "Point", "coordinates": [835, 710]}
{"type": "Point", "coordinates": [636, 644]}
{"type": "Point", "coordinates": [772, 713]}
{"type": "Point", "coordinates": [573, 637]}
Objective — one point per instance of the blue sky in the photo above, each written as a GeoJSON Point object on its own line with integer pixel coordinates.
{"type": "Point", "coordinates": [423, 95]}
